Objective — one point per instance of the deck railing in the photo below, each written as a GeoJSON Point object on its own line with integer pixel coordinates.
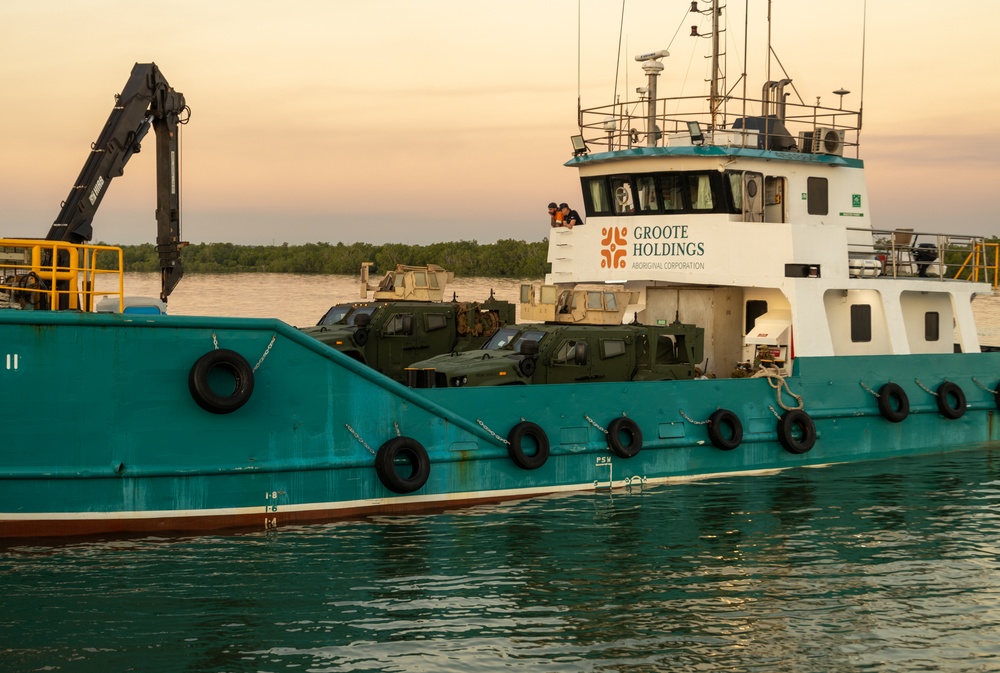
{"type": "Point", "coordinates": [905, 253]}
{"type": "Point", "coordinates": [625, 125]}
{"type": "Point", "coordinates": [53, 275]}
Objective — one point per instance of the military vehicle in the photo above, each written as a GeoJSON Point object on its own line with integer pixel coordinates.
{"type": "Point", "coordinates": [580, 339]}
{"type": "Point", "coordinates": [406, 320]}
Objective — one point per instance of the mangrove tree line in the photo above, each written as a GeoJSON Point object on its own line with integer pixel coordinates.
{"type": "Point", "coordinates": [503, 259]}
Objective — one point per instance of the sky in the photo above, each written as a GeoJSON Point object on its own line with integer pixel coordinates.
{"type": "Point", "coordinates": [443, 120]}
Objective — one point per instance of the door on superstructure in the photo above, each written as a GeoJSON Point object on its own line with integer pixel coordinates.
{"type": "Point", "coordinates": [753, 197]}
{"type": "Point", "coordinates": [774, 199]}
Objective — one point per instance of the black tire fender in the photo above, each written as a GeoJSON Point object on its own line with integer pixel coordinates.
{"type": "Point", "coordinates": [945, 393]}
{"type": "Point", "coordinates": [893, 403]}
{"type": "Point", "coordinates": [717, 433]}
{"type": "Point", "coordinates": [388, 468]}
{"type": "Point", "coordinates": [624, 426]}
{"type": "Point", "coordinates": [515, 446]}
{"type": "Point", "coordinates": [231, 362]}
{"type": "Point", "coordinates": [796, 431]}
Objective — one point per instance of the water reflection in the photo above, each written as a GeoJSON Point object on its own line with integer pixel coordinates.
{"type": "Point", "coordinates": [870, 567]}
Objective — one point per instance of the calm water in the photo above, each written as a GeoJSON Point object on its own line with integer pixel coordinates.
{"type": "Point", "coordinates": [297, 299]}
{"type": "Point", "coordinates": [880, 566]}
{"type": "Point", "coordinates": [873, 567]}
{"type": "Point", "coordinates": [302, 299]}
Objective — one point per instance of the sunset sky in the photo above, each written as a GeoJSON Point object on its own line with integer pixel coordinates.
{"type": "Point", "coordinates": [415, 122]}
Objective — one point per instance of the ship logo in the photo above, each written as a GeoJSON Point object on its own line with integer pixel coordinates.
{"type": "Point", "coordinates": [613, 247]}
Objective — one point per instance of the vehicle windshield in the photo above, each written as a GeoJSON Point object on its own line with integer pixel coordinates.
{"type": "Point", "coordinates": [527, 335]}
{"type": "Point", "coordinates": [335, 314]}
{"type": "Point", "coordinates": [502, 339]}
{"type": "Point", "coordinates": [352, 317]}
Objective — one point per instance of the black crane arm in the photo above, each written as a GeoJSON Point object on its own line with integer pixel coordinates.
{"type": "Point", "coordinates": [147, 99]}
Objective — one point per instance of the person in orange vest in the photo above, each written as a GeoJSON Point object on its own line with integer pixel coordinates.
{"type": "Point", "coordinates": [555, 215]}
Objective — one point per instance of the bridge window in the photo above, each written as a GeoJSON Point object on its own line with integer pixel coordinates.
{"type": "Point", "coordinates": [621, 189]}
{"type": "Point", "coordinates": [672, 187]}
{"type": "Point", "coordinates": [646, 185]}
{"type": "Point", "coordinates": [595, 193]}
{"type": "Point", "coordinates": [657, 193]}
{"type": "Point", "coordinates": [701, 192]}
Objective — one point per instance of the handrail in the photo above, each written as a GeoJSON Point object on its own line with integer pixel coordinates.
{"type": "Point", "coordinates": [623, 125]}
{"type": "Point", "coordinates": [52, 275]}
{"type": "Point", "coordinates": [972, 264]}
{"type": "Point", "coordinates": [973, 259]}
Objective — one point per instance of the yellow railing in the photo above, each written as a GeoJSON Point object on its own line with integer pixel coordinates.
{"type": "Point", "coordinates": [53, 275]}
{"type": "Point", "coordinates": [983, 258]}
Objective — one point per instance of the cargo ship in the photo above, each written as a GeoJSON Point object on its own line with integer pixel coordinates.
{"type": "Point", "coordinates": [825, 340]}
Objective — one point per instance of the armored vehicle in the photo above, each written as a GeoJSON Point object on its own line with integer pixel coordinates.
{"type": "Point", "coordinates": [407, 320]}
{"type": "Point", "coordinates": [582, 339]}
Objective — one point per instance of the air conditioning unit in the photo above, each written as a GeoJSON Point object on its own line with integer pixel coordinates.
{"type": "Point", "coordinates": [827, 141]}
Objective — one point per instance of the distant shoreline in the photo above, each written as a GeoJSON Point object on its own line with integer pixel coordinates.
{"type": "Point", "coordinates": [504, 259]}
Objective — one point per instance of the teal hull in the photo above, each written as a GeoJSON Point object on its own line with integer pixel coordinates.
{"type": "Point", "coordinates": [102, 433]}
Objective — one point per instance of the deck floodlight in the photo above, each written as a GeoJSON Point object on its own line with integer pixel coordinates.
{"type": "Point", "coordinates": [694, 128]}
{"type": "Point", "coordinates": [579, 145]}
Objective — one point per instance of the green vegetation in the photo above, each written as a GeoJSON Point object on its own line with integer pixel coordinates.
{"type": "Point", "coordinates": [503, 259]}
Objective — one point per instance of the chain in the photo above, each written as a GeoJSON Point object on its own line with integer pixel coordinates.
{"type": "Point", "coordinates": [395, 424]}
{"type": "Point", "coordinates": [358, 437]}
{"type": "Point", "coordinates": [495, 435]}
{"type": "Point", "coordinates": [266, 351]}
{"type": "Point", "coordinates": [869, 389]}
{"type": "Point", "coordinates": [976, 381]}
{"type": "Point", "coordinates": [215, 342]}
{"type": "Point", "coordinates": [925, 387]}
{"type": "Point", "coordinates": [691, 420]}
{"type": "Point", "coordinates": [594, 423]}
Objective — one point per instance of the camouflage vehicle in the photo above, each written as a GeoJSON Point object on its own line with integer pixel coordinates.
{"type": "Point", "coordinates": [582, 339]}
{"type": "Point", "coordinates": [406, 320]}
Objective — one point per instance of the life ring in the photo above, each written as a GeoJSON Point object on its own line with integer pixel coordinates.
{"type": "Point", "coordinates": [796, 431]}
{"type": "Point", "coordinates": [717, 434]}
{"type": "Point", "coordinates": [388, 470]}
{"type": "Point", "coordinates": [945, 393]}
{"type": "Point", "coordinates": [893, 403]}
{"type": "Point", "coordinates": [231, 362]}
{"type": "Point", "coordinates": [624, 426]}
{"type": "Point", "coordinates": [516, 451]}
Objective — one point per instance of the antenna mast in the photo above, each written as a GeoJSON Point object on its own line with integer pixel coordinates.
{"type": "Point", "coordinates": [714, 100]}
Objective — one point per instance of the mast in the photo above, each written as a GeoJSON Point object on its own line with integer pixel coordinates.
{"type": "Point", "coordinates": [714, 94]}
